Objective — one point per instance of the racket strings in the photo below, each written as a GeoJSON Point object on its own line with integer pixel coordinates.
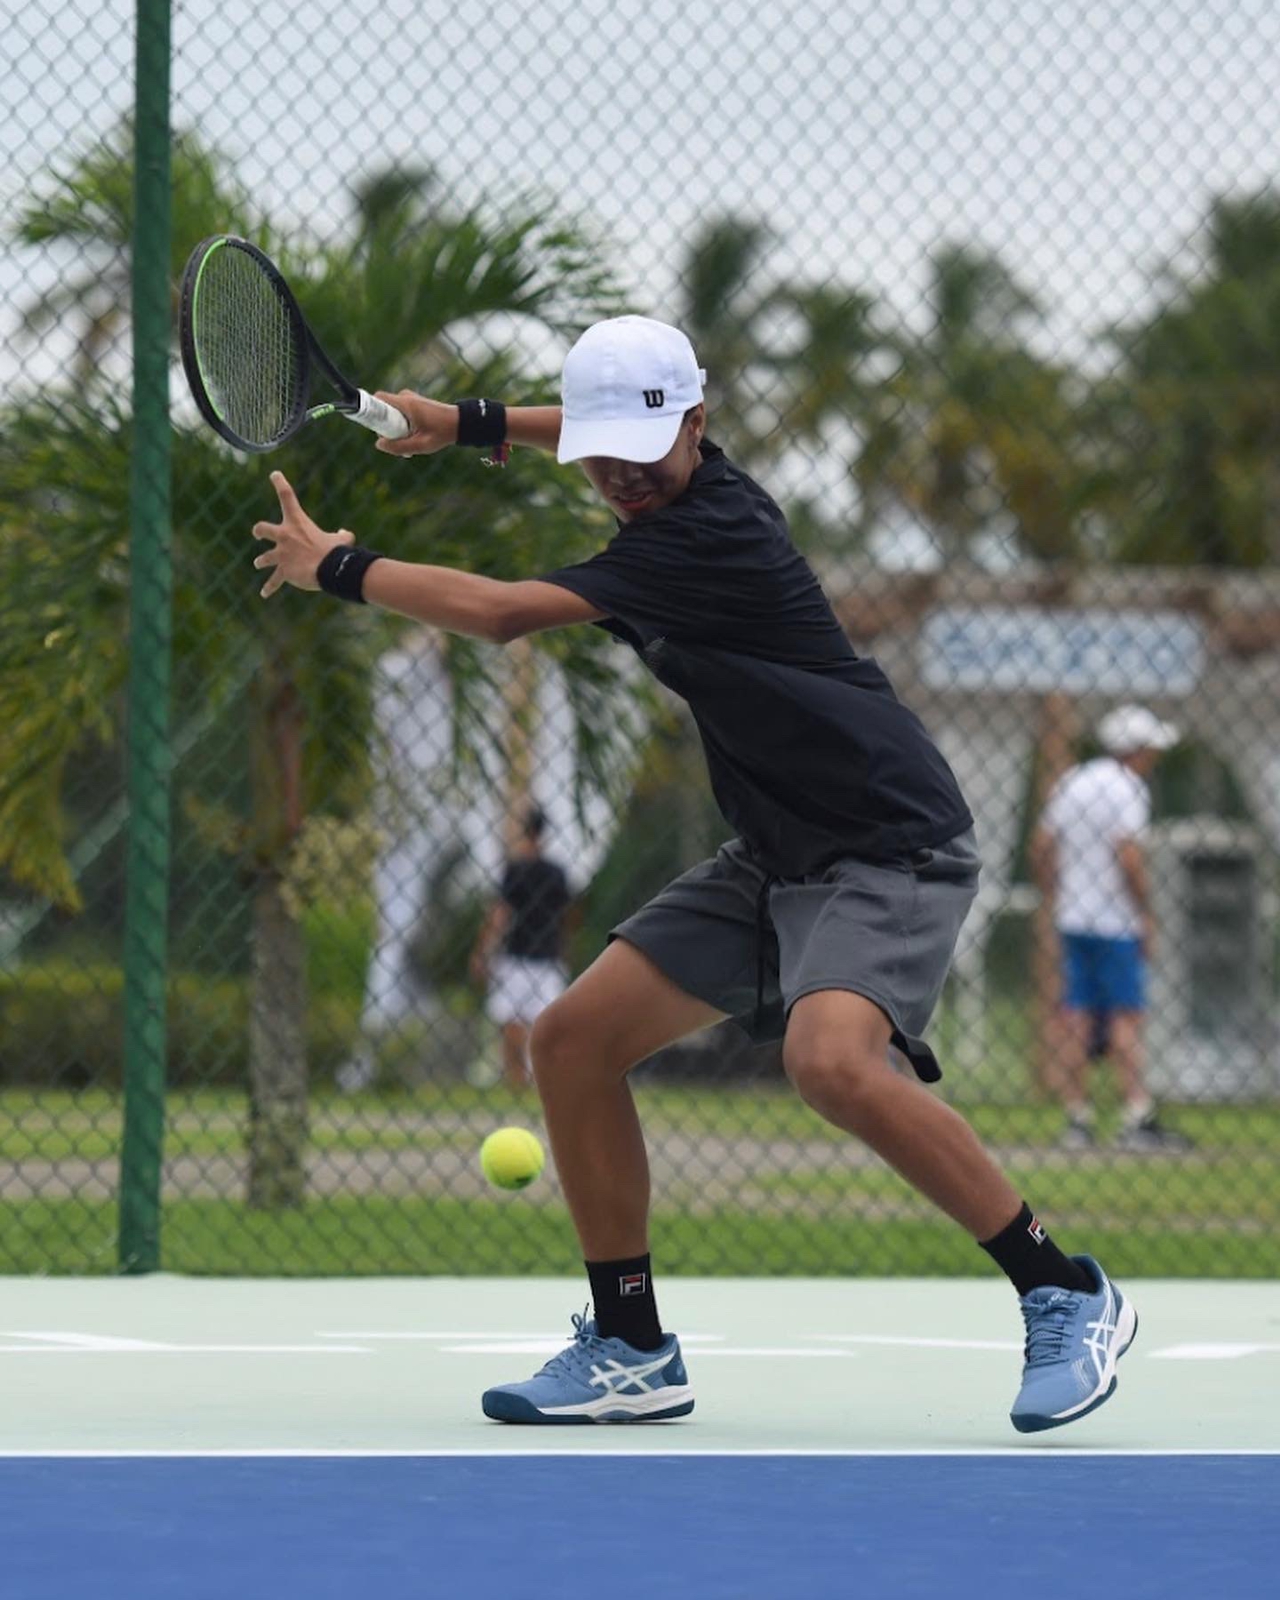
{"type": "Point", "coordinates": [247, 345]}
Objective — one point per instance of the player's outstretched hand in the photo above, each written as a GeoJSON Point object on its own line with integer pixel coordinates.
{"type": "Point", "coordinates": [433, 425]}
{"type": "Point", "coordinates": [298, 545]}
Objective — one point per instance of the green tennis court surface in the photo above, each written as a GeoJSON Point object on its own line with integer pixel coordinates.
{"type": "Point", "coordinates": [193, 1365]}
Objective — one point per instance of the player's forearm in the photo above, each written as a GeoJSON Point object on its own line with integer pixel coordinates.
{"type": "Point", "coordinates": [537, 426]}
{"type": "Point", "coordinates": [434, 425]}
{"type": "Point", "coordinates": [459, 602]}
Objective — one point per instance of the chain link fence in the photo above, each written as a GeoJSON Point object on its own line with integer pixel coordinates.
{"type": "Point", "coordinates": [989, 296]}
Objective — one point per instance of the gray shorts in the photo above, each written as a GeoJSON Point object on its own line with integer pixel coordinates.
{"type": "Point", "coordinates": [752, 946]}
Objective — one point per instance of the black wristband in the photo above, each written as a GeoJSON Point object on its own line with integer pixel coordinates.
{"type": "Point", "coordinates": [482, 423]}
{"type": "Point", "coordinates": [342, 571]}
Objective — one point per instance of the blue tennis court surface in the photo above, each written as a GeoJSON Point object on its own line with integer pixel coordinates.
{"type": "Point", "coordinates": [715, 1527]}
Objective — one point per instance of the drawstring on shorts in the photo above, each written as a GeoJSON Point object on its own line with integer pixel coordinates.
{"type": "Point", "coordinates": [762, 924]}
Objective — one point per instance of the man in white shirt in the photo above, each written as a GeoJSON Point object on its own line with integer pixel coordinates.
{"type": "Point", "coordinates": [1089, 857]}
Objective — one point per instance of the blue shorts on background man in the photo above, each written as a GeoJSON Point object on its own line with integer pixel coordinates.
{"type": "Point", "coordinates": [1102, 974]}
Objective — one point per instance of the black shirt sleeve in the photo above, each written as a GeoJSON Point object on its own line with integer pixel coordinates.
{"type": "Point", "coordinates": [635, 577]}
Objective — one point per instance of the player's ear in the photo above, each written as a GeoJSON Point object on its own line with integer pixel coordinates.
{"type": "Point", "coordinates": [695, 419]}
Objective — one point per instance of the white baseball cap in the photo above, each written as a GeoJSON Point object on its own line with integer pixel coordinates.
{"type": "Point", "coordinates": [626, 386]}
{"type": "Point", "coordinates": [1130, 728]}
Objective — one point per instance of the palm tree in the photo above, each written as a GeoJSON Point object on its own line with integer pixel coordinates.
{"type": "Point", "coordinates": [394, 195]}
{"type": "Point", "coordinates": [383, 304]}
{"type": "Point", "coordinates": [724, 306]}
{"type": "Point", "coordinates": [87, 207]}
{"type": "Point", "coordinates": [828, 366]}
{"type": "Point", "coordinates": [825, 379]}
{"type": "Point", "coordinates": [971, 426]}
{"type": "Point", "coordinates": [1189, 422]}
{"type": "Point", "coordinates": [785, 361]}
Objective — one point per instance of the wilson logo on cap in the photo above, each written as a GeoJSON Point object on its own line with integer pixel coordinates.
{"type": "Point", "coordinates": [654, 398]}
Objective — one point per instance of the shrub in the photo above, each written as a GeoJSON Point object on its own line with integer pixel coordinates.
{"type": "Point", "coordinates": [62, 1023]}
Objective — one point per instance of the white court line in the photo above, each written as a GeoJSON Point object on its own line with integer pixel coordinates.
{"type": "Point", "coordinates": [1172, 1352]}
{"type": "Point", "coordinates": [702, 1344]}
{"type": "Point", "coordinates": [81, 1341]}
{"type": "Point", "coordinates": [189, 1350]}
{"type": "Point", "coordinates": [74, 1344]}
{"type": "Point", "coordinates": [913, 1343]}
{"type": "Point", "coordinates": [559, 1338]}
{"type": "Point", "coordinates": [293, 1453]}
{"type": "Point", "coordinates": [514, 1347]}
{"type": "Point", "coordinates": [63, 1343]}
{"type": "Point", "coordinates": [1211, 1352]}
{"type": "Point", "coordinates": [766, 1350]}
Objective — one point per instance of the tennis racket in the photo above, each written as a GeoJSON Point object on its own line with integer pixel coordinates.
{"type": "Point", "coordinates": [250, 357]}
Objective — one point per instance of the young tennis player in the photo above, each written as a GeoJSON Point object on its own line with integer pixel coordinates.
{"type": "Point", "coordinates": [829, 921]}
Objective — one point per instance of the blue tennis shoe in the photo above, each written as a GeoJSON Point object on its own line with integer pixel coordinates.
{"type": "Point", "coordinates": [1074, 1341]}
{"type": "Point", "coordinates": [598, 1380]}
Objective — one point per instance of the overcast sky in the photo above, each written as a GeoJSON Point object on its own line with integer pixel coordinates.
{"type": "Point", "coordinates": [1080, 141]}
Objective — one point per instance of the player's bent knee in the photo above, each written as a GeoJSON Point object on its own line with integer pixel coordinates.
{"type": "Point", "coordinates": [566, 1041]}
{"type": "Point", "coordinates": [551, 1035]}
{"type": "Point", "coordinates": [830, 1071]}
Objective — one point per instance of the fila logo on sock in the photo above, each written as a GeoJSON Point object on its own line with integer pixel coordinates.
{"type": "Point", "coordinates": [632, 1283]}
{"type": "Point", "coordinates": [1036, 1231]}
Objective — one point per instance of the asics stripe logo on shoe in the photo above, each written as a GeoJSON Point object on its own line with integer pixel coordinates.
{"type": "Point", "coordinates": [619, 1379]}
{"type": "Point", "coordinates": [1100, 1333]}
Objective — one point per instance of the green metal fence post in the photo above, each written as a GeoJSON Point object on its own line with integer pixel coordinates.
{"type": "Point", "coordinates": [146, 919]}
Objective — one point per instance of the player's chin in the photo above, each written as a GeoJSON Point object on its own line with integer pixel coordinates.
{"type": "Point", "coordinates": [634, 506]}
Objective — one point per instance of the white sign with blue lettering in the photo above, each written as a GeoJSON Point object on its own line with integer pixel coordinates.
{"type": "Point", "coordinates": [1007, 649]}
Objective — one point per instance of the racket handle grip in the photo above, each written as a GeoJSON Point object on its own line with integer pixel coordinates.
{"type": "Point", "coordinates": [379, 417]}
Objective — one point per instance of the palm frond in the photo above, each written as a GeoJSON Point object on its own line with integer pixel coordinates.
{"type": "Point", "coordinates": [64, 469]}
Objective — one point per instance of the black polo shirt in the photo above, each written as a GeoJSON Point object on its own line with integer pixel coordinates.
{"type": "Point", "coordinates": [811, 755]}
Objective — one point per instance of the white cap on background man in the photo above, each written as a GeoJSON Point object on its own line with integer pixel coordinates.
{"type": "Point", "coordinates": [1130, 728]}
{"type": "Point", "coordinates": [627, 384]}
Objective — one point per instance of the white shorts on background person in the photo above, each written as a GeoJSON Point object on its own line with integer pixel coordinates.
{"type": "Point", "coordinates": [520, 988]}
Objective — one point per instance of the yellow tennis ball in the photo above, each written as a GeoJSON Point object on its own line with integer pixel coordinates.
{"type": "Point", "coordinates": [511, 1158]}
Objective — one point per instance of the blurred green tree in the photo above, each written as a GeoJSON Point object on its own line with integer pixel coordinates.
{"type": "Point", "coordinates": [83, 214]}
{"type": "Point", "coordinates": [971, 429]}
{"type": "Point", "coordinates": [725, 302]}
{"type": "Point", "coordinates": [792, 368]}
{"type": "Point", "coordinates": [401, 298]}
{"type": "Point", "coordinates": [1188, 424]}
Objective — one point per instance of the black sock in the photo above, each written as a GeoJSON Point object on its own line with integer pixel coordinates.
{"type": "Point", "coordinates": [622, 1294]}
{"type": "Point", "coordinates": [1028, 1257]}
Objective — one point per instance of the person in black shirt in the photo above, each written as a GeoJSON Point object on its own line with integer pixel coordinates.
{"type": "Point", "coordinates": [518, 954]}
{"type": "Point", "coordinates": [829, 921]}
